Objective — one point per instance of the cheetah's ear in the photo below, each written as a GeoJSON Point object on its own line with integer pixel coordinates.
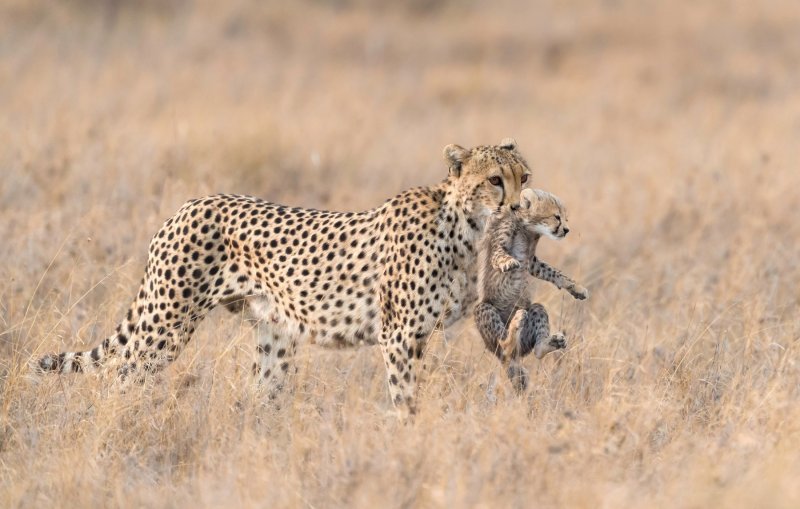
{"type": "Point", "coordinates": [455, 155]}
{"type": "Point", "coordinates": [508, 144]}
{"type": "Point", "coordinates": [527, 198]}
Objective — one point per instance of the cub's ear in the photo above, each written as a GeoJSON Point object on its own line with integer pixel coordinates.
{"type": "Point", "coordinates": [508, 144]}
{"type": "Point", "coordinates": [455, 155]}
{"type": "Point", "coordinates": [527, 198]}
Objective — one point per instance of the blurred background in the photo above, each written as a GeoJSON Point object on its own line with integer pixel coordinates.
{"type": "Point", "coordinates": [671, 130]}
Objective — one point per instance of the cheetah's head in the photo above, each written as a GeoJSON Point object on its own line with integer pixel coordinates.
{"type": "Point", "coordinates": [487, 177]}
{"type": "Point", "coordinates": [543, 213]}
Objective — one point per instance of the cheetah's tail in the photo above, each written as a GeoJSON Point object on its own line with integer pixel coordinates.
{"type": "Point", "coordinates": [90, 360]}
{"type": "Point", "coordinates": [71, 362]}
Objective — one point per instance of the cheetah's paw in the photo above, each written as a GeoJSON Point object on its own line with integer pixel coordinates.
{"type": "Point", "coordinates": [558, 341]}
{"type": "Point", "coordinates": [555, 342]}
{"type": "Point", "coordinates": [578, 292]}
{"type": "Point", "coordinates": [509, 265]}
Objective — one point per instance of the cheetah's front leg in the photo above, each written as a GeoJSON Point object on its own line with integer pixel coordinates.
{"type": "Point", "coordinates": [400, 354]}
{"type": "Point", "coordinates": [504, 262]}
{"type": "Point", "coordinates": [500, 257]}
{"type": "Point", "coordinates": [275, 350]}
{"type": "Point", "coordinates": [276, 345]}
{"type": "Point", "coordinates": [545, 272]}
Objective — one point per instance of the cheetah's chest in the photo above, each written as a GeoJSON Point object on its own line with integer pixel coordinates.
{"type": "Point", "coordinates": [460, 287]}
{"type": "Point", "coordinates": [520, 248]}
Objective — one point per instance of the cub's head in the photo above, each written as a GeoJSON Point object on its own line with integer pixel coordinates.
{"type": "Point", "coordinates": [487, 177]}
{"type": "Point", "coordinates": [543, 213]}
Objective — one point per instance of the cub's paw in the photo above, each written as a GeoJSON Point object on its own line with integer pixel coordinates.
{"type": "Point", "coordinates": [555, 342]}
{"type": "Point", "coordinates": [578, 292]}
{"type": "Point", "coordinates": [509, 265]}
{"type": "Point", "coordinates": [558, 341]}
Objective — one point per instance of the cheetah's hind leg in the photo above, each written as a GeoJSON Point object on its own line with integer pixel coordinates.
{"type": "Point", "coordinates": [535, 333]}
{"type": "Point", "coordinates": [518, 376]}
{"type": "Point", "coordinates": [555, 342]}
{"type": "Point", "coordinates": [493, 330]}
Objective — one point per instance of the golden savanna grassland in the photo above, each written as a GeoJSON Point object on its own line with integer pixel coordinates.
{"type": "Point", "coordinates": [670, 128]}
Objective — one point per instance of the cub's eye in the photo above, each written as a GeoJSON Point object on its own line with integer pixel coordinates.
{"type": "Point", "coordinates": [524, 178]}
{"type": "Point", "coordinates": [558, 218]}
{"type": "Point", "coordinates": [495, 181]}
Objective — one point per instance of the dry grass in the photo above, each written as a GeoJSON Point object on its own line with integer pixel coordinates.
{"type": "Point", "coordinates": [670, 128]}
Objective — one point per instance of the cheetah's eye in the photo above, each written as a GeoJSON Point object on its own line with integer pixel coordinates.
{"type": "Point", "coordinates": [495, 181]}
{"type": "Point", "coordinates": [524, 178]}
{"type": "Point", "coordinates": [558, 218]}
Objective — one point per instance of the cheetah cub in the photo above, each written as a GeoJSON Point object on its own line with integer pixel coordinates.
{"type": "Point", "coordinates": [509, 245]}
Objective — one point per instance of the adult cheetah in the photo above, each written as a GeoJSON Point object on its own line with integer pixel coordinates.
{"type": "Point", "coordinates": [388, 275]}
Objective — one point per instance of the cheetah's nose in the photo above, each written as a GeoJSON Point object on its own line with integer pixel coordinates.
{"type": "Point", "coordinates": [566, 230]}
{"type": "Point", "coordinates": [514, 207]}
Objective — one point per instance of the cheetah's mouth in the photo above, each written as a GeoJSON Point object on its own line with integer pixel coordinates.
{"type": "Point", "coordinates": [543, 230]}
